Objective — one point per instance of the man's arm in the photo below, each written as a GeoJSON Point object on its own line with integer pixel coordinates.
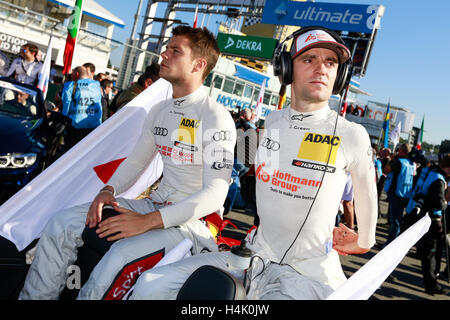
{"type": "Point", "coordinates": [217, 166]}
{"type": "Point", "coordinates": [349, 219]}
{"type": "Point", "coordinates": [436, 198]}
{"type": "Point", "coordinates": [126, 174]}
{"type": "Point", "coordinates": [362, 171]}
{"type": "Point", "coordinates": [218, 157]}
{"type": "Point", "coordinates": [12, 68]}
{"type": "Point", "coordinates": [447, 195]}
{"type": "Point", "coordinates": [66, 97]}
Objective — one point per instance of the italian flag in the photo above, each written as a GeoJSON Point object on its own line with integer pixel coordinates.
{"type": "Point", "coordinates": [72, 29]}
{"type": "Point", "coordinates": [420, 139]}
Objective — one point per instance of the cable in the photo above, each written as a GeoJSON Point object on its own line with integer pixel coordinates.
{"type": "Point", "coordinates": [318, 189]}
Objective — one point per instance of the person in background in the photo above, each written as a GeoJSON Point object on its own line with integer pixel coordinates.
{"type": "Point", "coordinates": [150, 76]}
{"type": "Point", "coordinates": [101, 76]}
{"type": "Point", "coordinates": [26, 68]}
{"type": "Point", "coordinates": [81, 101]}
{"type": "Point", "coordinates": [398, 185]}
{"type": "Point", "coordinates": [430, 197]}
{"type": "Point", "coordinates": [4, 63]}
{"type": "Point", "coordinates": [346, 208]}
{"type": "Point", "coordinates": [90, 68]}
{"type": "Point", "coordinates": [106, 87]}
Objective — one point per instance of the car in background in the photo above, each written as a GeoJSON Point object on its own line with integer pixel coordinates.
{"type": "Point", "coordinates": [29, 135]}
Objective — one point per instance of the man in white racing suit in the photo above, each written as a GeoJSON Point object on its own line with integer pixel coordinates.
{"type": "Point", "coordinates": [301, 166]}
{"type": "Point", "coordinates": [197, 169]}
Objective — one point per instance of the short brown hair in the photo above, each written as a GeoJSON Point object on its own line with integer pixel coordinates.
{"type": "Point", "coordinates": [32, 48]}
{"type": "Point", "coordinates": [90, 66]}
{"type": "Point", "coordinates": [405, 147]}
{"type": "Point", "coordinates": [203, 44]}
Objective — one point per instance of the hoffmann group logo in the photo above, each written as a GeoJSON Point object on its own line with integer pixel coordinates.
{"type": "Point", "coordinates": [284, 180]}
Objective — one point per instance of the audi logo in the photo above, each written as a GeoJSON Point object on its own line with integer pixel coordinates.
{"type": "Point", "coordinates": [270, 144]}
{"type": "Point", "coordinates": [222, 136]}
{"type": "Point", "coordinates": [158, 131]}
{"type": "Point", "coordinates": [218, 165]}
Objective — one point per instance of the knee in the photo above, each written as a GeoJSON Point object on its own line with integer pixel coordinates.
{"type": "Point", "coordinates": [153, 286]}
{"type": "Point", "coordinates": [55, 224]}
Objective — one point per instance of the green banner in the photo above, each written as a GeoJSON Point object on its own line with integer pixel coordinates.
{"type": "Point", "coordinates": [246, 46]}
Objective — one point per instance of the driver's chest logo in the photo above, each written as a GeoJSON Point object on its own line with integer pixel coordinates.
{"type": "Point", "coordinates": [187, 130]}
{"type": "Point", "coordinates": [316, 147]}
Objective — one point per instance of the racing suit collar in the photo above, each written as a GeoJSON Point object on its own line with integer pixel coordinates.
{"type": "Point", "coordinates": [188, 100]}
{"type": "Point", "coordinates": [307, 117]}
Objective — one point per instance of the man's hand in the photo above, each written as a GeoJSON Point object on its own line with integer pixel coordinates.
{"type": "Point", "coordinates": [94, 215]}
{"type": "Point", "coordinates": [128, 223]}
{"type": "Point", "coordinates": [345, 241]}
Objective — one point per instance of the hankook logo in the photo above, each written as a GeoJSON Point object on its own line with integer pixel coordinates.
{"type": "Point", "coordinates": [313, 166]}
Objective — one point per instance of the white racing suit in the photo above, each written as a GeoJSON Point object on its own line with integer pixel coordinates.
{"type": "Point", "coordinates": [295, 190]}
{"type": "Point", "coordinates": [195, 138]}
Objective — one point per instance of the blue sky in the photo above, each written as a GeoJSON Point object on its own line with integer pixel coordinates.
{"type": "Point", "coordinates": [410, 61]}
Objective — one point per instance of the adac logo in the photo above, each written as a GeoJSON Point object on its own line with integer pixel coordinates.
{"type": "Point", "coordinates": [187, 130]}
{"type": "Point", "coordinates": [189, 123]}
{"type": "Point", "coordinates": [317, 147]}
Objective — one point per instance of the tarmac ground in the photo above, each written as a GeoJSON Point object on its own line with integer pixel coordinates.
{"type": "Point", "coordinates": [404, 283]}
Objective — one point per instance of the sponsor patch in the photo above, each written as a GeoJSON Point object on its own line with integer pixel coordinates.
{"type": "Point", "coordinates": [187, 130]}
{"type": "Point", "coordinates": [175, 154]}
{"type": "Point", "coordinates": [285, 181]}
{"type": "Point", "coordinates": [313, 166]}
{"type": "Point", "coordinates": [127, 277]}
{"type": "Point", "coordinates": [316, 147]}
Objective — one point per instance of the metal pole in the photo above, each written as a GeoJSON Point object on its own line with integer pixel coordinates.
{"type": "Point", "coordinates": [136, 18]}
{"type": "Point", "coordinates": [344, 100]}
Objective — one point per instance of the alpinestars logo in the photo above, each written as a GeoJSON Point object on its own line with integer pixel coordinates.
{"type": "Point", "coordinates": [300, 117]}
{"type": "Point", "coordinates": [178, 102]}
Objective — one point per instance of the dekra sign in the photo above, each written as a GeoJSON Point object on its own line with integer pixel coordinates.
{"type": "Point", "coordinates": [249, 45]}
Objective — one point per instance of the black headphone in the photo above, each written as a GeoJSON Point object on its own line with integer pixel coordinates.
{"type": "Point", "coordinates": [282, 61]}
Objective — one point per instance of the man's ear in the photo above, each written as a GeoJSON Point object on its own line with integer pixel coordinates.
{"type": "Point", "coordinates": [200, 64]}
{"type": "Point", "coordinates": [148, 82]}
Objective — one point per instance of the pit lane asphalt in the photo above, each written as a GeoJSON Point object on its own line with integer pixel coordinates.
{"type": "Point", "coordinates": [405, 282]}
